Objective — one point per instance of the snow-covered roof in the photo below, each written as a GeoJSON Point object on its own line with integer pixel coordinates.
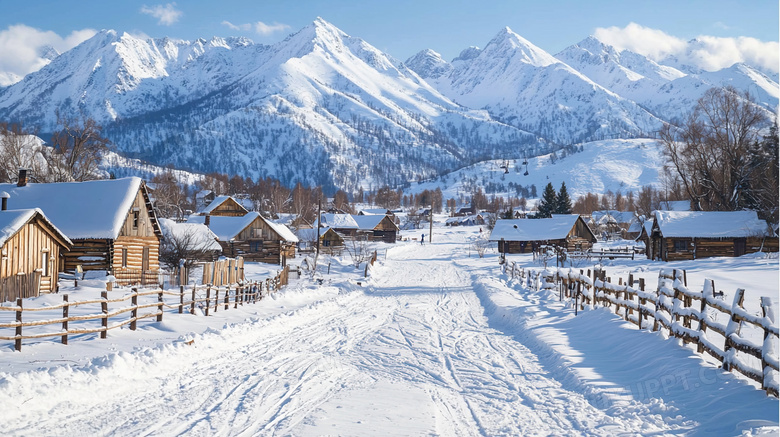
{"type": "Point", "coordinates": [219, 200]}
{"type": "Point", "coordinates": [202, 237]}
{"type": "Point", "coordinates": [92, 209]}
{"type": "Point", "coordinates": [11, 221]}
{"type": "Point", "coordinates": [227, 228]}
{"type": "Point", "coordinates": [555, 228]}
{"type": "Point", "coordinates": [340, 221]}
{"type": "Point", "coordinates": [368, 222]}
{"type": "Point", "coordinates": [310, 234]}
{"type": "Point", "coordinates": [711, 224]}
{"type": "Point", "coordinates": [374, 211]}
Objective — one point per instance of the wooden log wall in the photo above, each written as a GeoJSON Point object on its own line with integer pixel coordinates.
{"type": "Point", "coordinates": [24, 253]}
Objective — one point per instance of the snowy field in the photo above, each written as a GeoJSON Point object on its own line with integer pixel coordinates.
{"type": "Point", "coordinates": [435, 342]}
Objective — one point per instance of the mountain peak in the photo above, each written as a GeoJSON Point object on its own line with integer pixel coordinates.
{"type": "Point", "coordinates": [428, 64]}
{"type": "Point", "coordinates": [512, 44]}
{"type": "Point", "coordinates": [468, 53]}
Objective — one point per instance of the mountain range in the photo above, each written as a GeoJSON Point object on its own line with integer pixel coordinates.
{"type": "Point", "coordinates": [323, 107]}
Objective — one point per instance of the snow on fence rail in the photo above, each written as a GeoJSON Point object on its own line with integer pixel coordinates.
{"type": "Point", "coordinates": [691, 316]}
{"type": "Point", "coordinates": [208, 298]}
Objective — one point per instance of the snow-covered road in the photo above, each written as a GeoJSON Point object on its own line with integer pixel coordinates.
{"type": "Point", "coordinates": [412, 351]}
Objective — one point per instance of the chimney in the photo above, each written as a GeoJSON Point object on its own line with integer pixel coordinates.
{"type": "Point", "coordinates": [207, 220]}
{"type": "Point", "coordinates": [22, 178]}
{"type": "Point", "coordinates": [5, 197]}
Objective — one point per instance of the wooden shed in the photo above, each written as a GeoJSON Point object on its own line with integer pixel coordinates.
{"type": "Point", "coordinates": [569, 232]}
{"type": "Point", "coordinates": [224, 206]}
{"type": "Point", "coordinates": [31, 248]}
{"type": "Point", "coordinates": [252, 237]}
{"type": "Point", "coordinates": [111, 223]}
{"type": "Point", "coordinates": [687, 235]}
{"type": "Point", "coordinates": [331, 242]}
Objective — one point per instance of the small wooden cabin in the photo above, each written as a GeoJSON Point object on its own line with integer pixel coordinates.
{"type": "Point", "coordinates": [377, 227]}
{"type": "Point", "coordinates": [252, 237]}
{"type": "Point", "coordinates": [569, 232]}
{"type": "Point", "coordinates": [111, 223]}
{"type": "Point", "coordinates": [224, 206]}
{"type": "Point", "coordinates": [688, 235]}
{"type": "Point", "coordinates": [344, 224]}
{"type": "Point", "coordinates": [331, 242]}
{"type": "Point", "coordinates": [31, 248]}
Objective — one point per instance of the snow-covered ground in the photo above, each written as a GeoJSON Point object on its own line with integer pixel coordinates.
{"type": "Point", "coordinates": [435, 342]}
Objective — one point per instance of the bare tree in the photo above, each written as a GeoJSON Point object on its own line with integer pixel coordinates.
{"type": "Point", "coordinates": [185, 248]}
{"type": "Point", "coordinates": [711, 151]}
{"type": "Point", "coordinates": [357, 248]}
{"type": "Point", "coordinates": [78, 150]}
{"type": "Point", "coordinates": [20, 149]}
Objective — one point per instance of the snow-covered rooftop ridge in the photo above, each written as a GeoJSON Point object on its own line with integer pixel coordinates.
{"type": "Point", "coordinates": [12, 221]}
{"type": "Point", "coordinates": [219, 200]}
{"type": "Point", "coordinates": [227, 228]}
{"type": "Point", "coordinates": [202, 237]}
{"type": "Point", "coordinates": [711, 224]}
{"type": "Point", "coordinates": [284, 232]}
{"type": "Point", "coordinates": [368, 222]}
{"type": "Point", "coordinates": [339, 221]}
{"type": "Point", "coordinates": [92, 209]}
{"type": "Point", "coordinates": [555, 228]}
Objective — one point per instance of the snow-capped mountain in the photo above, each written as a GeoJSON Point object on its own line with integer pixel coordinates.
{"type": "Point", "coordinates": [523, 85]}
{"type": "Point", "coordinates": [666, 91]}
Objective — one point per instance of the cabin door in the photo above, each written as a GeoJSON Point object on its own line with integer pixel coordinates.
{"type": "Point", "coordinates": [739, 246]}
{"type": "Point", "coordinates": [145, 260]}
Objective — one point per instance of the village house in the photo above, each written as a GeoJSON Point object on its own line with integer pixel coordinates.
{"type": "Point", "coordinates": [331, 242]}
{"type": "Point", "coordinates": [31, 248]}
{"type": "Point", "coordinates": [688, 235]}
{"type": "Point", "coordinates": [111, 224]}
{"type": "Point", "coordinates": [251, 236]}
{"type": "Point", "coordinates": [344, 224]}
{"type": "Point", "coordinates": [195, 238]}
{"type": "Point", "coordinates": [377, 227]}
{"type": "Point", "coordinates": [224, 206]}
{"type": "Point", "coordinates": [567, 231]}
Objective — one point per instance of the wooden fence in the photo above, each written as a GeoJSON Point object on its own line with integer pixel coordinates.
{"type": "Point", "coordinates": [208, 298]}
{"type": "Point", "coordinates": [20, 285]}
{"type": "Point", "coordinates": [681, 312]}
{"type": "Point", "coordinates": [224, 271]}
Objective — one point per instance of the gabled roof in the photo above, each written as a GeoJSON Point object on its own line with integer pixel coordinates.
{"type": "Point", "coordinates": [710, 224]}
{"type": "Point", "coordinates": [227, 228]}
{"type": "Point", "coordinates": [92, 209]}
{"type": "Point", "coordinates": [374, 211]}
{"type": "Point", "coordinates": [202, 237]}
{"type": "Point", "coordinates": [370, 222]}
{"type": "Point", "coordinates": [555, 228]}
{"type": "Point", "coordinates": [340, 221]}
{"type": "Point", "coordinates": [310, 234]}
{"type": "Point", "coordinates": [12, 221]}
{"type": "Point", "coordinates": [219, 200]}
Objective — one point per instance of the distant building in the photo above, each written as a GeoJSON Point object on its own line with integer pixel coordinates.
{"type": "Point", "coordinates": [566, 231]}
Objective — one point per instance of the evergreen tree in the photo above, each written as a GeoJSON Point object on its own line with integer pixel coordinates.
{"type": "Point", "coordinates": [563, 202]}
{"type": "Point", "coordinates": [547, 205]}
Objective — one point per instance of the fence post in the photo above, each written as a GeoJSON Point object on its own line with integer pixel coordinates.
{"type": "Point", "coordinates": [227, 298]}
{"type": "Point", "coordinates": [208, 299]}
{"type": "Point", "coordinates": [192, 304]}
{"type": "Point", "coordinates": [703, 314]}
{"type": "Point", "coordinates": [104, 308]}
{"type": "Point", "coordinates": [216, 299]}
{"type": "Point", "coordinates": [766, 310]}
{"type": "Point", "coordinates": [238, 293]}
{"type": "Point", "coordinates": [181, 299]}
{"type": "Point", "coordinates": [657, 300]}
{"type": "Point", "coordinates": [160, 305]}
{"type": "Point", "coordinates": [732, 328]}
{"type": "Point", "coordinates": [18, 341]}
{"type": "Point", "coordinates": [134, 312]}
{"type": "Point", "coordinates": [65, 308]}
{"type": "Point", "coordinates": [642, 302]}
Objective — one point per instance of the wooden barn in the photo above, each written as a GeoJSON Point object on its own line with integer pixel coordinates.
{"type": "Point", "coordinates": [224, 206]}
{"type": "Point", "coordinates": [687, 235]}
{"type": "Point", "coordinates": [569, 232]}
{"type": "Point", "coordinates": [31, 248]}
{"type": "Point", "coordinates": [111, 224]}
{"type": "Point", "coordinates": [377, 227]}
{"type": "Point", "coordinates": [251, 236]}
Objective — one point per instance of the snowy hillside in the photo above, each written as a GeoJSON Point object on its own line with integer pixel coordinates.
{"type": "Point", "coordinates": [596, 167]}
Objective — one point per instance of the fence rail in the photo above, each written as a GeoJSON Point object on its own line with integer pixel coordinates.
{"type": "Point", "coordinates": [674, 308]}
{"type": "Point", "coordinates": [207, 298]}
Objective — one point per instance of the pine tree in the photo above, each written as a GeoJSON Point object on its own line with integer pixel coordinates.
{"type": "Point", "coordinates": [563, 202]}
{"type": "Point", "coordinates": [547, 205]}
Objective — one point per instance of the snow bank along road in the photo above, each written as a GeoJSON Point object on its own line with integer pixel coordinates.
{"type": "Point", "coordinates": [420, 349]}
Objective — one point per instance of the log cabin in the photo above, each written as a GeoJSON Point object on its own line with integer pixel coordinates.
{"type": "Point", "coordinates": [377, 227]}
{"type": "Point", "coordinates": [688, 235]}
{"type": "Point", "coordinates": [225, 206]}
{"type": "Point", "coordinates": [251, 236]}
{"type": "Point", "coordinates": [331, 242]}
{"type": "Point", "coordinates": [31, 248]}
{"type": "Point", "coordinates": [111, 223]}
{"type": "Point", "coordinates": [344, 224]}
{"type": "Point", "coordinates": [566, 231]}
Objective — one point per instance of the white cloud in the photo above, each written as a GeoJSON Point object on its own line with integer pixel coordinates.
{"type": "Point", "coordinates": [706, 52]}
{"type": "Point", "coordinates": [259, 27]}
{"type": "Point", "coordinates": [165, 14]}
{"type": "Point", "coordinates": [21, 48]}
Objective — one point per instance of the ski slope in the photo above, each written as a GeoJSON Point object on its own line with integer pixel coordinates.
{"type": "Point", "coordinates": [435, 342]}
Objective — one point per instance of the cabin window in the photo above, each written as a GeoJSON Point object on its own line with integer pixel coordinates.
{"type": "Point", "coordinates": [255, 246]}
{"type": "Point", "coordinates": [124, 257]}
{"type": "Point", "coordinates": [680, 246]}
{"type": "Point", "coordinates": [326, 243]}
{"type": "Point", "coordinates": [135, 219]}
{"type": "Point", "coordinates": [45, 263]}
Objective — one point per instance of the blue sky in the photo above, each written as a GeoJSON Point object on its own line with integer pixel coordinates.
{"type": "Point", "coordinates": [398, 27]}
